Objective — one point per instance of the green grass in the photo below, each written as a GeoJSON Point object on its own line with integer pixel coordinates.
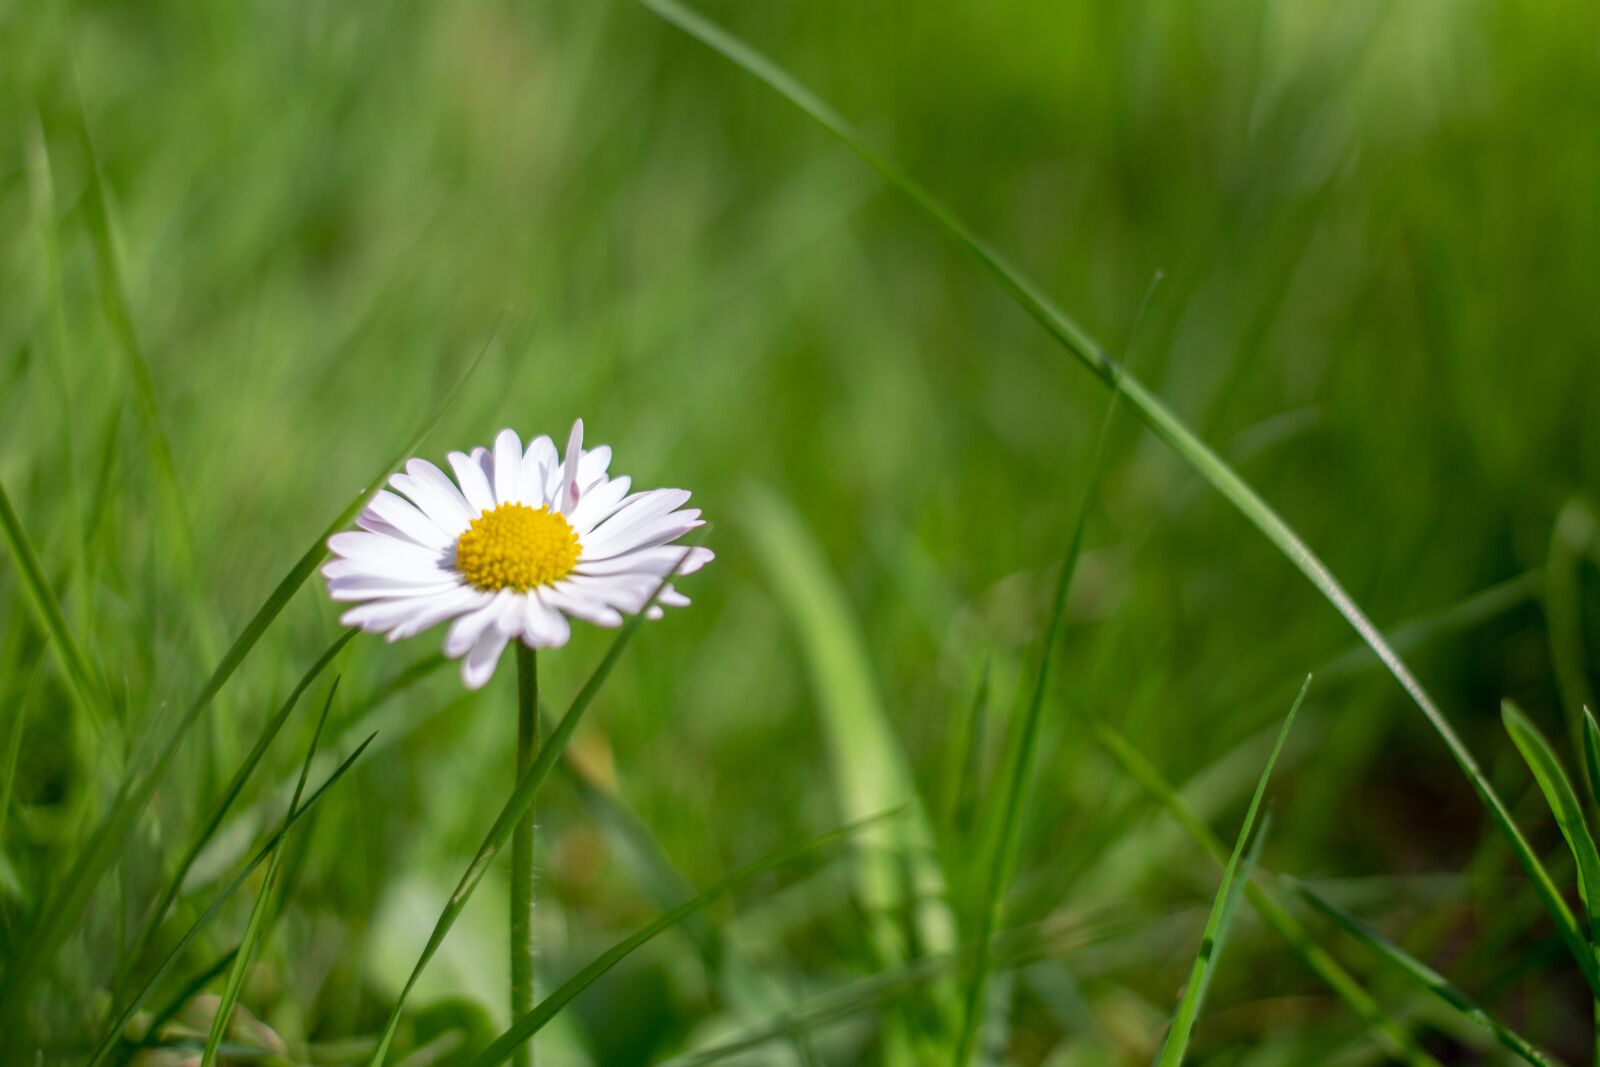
{"type": "Point", "coordinates": [252, 250]}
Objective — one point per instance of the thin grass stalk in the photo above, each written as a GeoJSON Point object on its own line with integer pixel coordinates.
{"type": "Point", "coordinates": [522, 947]}
{"type": "Point", "coordinates": [1387, 1031]}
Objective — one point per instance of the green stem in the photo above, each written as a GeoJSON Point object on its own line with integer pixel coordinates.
{"type": "Point", "coordinates": [522, 849]}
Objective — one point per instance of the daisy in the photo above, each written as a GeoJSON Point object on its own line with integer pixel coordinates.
{"type": "Point", "coordinates": [517, 543]}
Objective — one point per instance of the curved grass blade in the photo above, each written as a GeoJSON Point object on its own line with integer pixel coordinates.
{"type": "Point", "coordinates": [528, 1025]}
{"type": "Point", "coordinates": [1168, 426]}
{"type": "Point", "coordinates": [1423, 975]}
{"type": "Point", "coordinates": [105, 844]}
{"type": "Point", "coordinates": [1388, 1032]}
{"type": "Point", "coordinates": [229, 795]}
{"type": "Point", "coordinates": [522, 798]}
{"type": "Point", "coordinates": [258, 912]}
{"type": "Point", "coordinates": [1205, 962]}
{"type": "Point", "coordinates": [1564, 804]}
{"type": "Point", "coordinates": [895, 866]}
{"type": "Point", "coordinates": [108, 1042]}
{"type": "Point", "coordinates": [42, 598]}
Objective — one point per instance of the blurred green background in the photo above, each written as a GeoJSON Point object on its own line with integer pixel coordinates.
{"type": "Point", "coordinates": [1378, 231]}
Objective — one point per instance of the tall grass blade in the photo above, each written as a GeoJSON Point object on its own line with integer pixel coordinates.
{"type": "Point", "coordinates": [224, 803]}
{"type": "Point", "coordinates": [1577, 529]}
{"type": "Point", "coordinates": [106, 842]}
{"type": "Point", "coordinates": [1205, 962]}
{"type": "Point", "coordinates": [108, 1042]}
{"type": "Point", "coordinates": [1424, 976]}
{"type": "Point", "coordinates": [901, 887]}
{"type": "Point", "coordinates": [1001, 853]}
{"type": "Point", "coordinates": [42, 599]}
{"type": "Point", "coordinates": [528, 1025]}
{"type": "Point", "coordinates": [522, 797]}
{"type": "Point", "coordinates": [1167, 425]}
{"type": "Point", "coordinates": [1387, 1031]}
{"type": "Point", "coordinates": [258, 912]}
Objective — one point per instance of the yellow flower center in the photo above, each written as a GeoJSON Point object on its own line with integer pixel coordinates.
{"type": "Point", "coordinates": [517, 547]}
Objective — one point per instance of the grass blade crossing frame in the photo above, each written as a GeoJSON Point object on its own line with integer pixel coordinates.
{"type": "Point", "coordinates": [1167, 425]}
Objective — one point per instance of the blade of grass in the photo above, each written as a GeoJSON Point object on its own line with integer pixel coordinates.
{"type": "Point", "coordinates": [1168, 426]}
{"type": "Point", "coordinates": [258, 912]}
{"type": "Point", "coordinates": [527, 1025]}
{"type": "Point", "coordinates": [1423, 976]}
{"type": "Point", "coordinates": [964, 763]}
{"type": "Point", "coordinates": [1177, 1042]}
{"type": "Point", "coordinates": [109, 1040]}
{"type": "Point", "coordinates": [224, 803]}
{"type": "Point", "coordinates": [1388, 1032]}
{"type": "Point", "coordinates": [1564, 804]}
{"type": "Point", "coordinates": [107, 841]}
{"type": "Point", "coordinates": [522, 798]}
{"type": "Point", "coordinates": [896, 870]}
{"type": "Point", "coordinates": [1568, 811]}
{"type": "Point", "coordinates": [1001, 853]}
{"type": "Point", "coordinates": [42, 599]}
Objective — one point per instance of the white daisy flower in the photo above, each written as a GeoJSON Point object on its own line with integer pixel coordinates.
{"type": "Point", "coordinates": [519, 541]}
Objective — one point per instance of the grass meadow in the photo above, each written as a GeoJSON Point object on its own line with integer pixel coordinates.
{"type": "Point", "coordinates": [1064, 385]}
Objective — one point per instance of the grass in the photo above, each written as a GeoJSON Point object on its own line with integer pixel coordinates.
{"type": "Point", "coordinates": [254, 249]}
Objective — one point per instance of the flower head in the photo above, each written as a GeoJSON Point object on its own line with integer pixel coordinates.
{"type": "Point", "coordinates": [520, 540]}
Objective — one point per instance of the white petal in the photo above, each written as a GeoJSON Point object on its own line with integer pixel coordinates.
{"type": "Point", "coordinates": [543, 626]}
{"type": "Point", "coordinates": [567, 494]}
{"type": "Point", "coordinates": [619, 532]}
{"type": "Point", "coordinates": [625, 592]}
{"type": "Point", "coordinates": [543, 466]}
{"type": "Point", "coordinates": [570, 599]}
{"type": "Point", "coordinates": [364, 587]}
{"type": "Point", "coordinates": [475, 486]}
{"type": "Point", "coordinates": [478, 667]}
{"type": "Point", "coordinates": [438, 608]}
{"type": "Point", "coordinates": [377, 616]}
{"type": "Point", "coordinates": [435, 495]}
{"type": "Point", "coordinates": [656, 562]}
{"type": "Point", "coordinates": [406, 518]}
{"type": "Point", "coordinates": [538, 464]}
{"type": "Point", "coordinates": [598, 504]}
{"type": "Point", "coordinates": [592, 465]}
{"type": "Point", "coordinates": [384, 549]}
{"type": "Point", "coordinates": [508, 467]}
{"type": "Point", "coordinates": [466, 630]}
{"type": "Point", "coordinates": [655, 612]}
{"type": "Point", "coordinates": [365, 568]}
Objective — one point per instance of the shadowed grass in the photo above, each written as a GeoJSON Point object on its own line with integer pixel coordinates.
{"type": "Point", "coordinates": [1170, 428]}
{"type": "Point", "coordinates": [1423, 976]}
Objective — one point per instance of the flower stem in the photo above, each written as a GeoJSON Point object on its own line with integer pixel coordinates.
{"type": "Point", "coordinates": [522, 850]}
